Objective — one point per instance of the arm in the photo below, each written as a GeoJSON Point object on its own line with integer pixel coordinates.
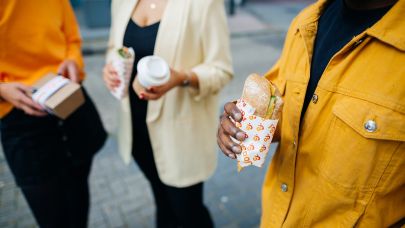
{"type": "Point", "coordinates": [227, 129]}
{"type": "Point", "coordinates": [110, 76]}
{"type": "Point", "coordinates": [73, 65]}
{"type": "Point", "coordinates": [17, 94]}
{"type": "Point", "coordinates": [111, 41]}
{"type": "Point", "coordinates": [216, 70]}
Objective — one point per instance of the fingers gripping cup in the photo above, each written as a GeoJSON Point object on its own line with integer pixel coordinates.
{"type": "Point", "coordinates": [153, 71]}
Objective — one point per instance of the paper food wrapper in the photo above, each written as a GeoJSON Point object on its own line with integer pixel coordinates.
{"type": "Point", "coordinates": [259, 132]}
{"type": "Point", "coordinates": [123, 61]}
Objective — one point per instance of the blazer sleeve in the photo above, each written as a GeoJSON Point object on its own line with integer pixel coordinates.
{"type": "Point", "coordinates": [216, 70]}
{"type": "Point", "coordinates": [72, 35]}
{"type": "Point", "coordinates": [111, 41]}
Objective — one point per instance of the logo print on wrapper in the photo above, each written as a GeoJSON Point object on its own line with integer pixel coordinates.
{"type": "Point", "coordinates": [272, 128]}
{"type": "Point", "coordinates": [251, 147]}
{"type": "Point", "coordinates": [260, 127]}
{"type": "Point", "coordinates": [256, 138]}
{"type": "Point", "coordinates": [263, 148]}
{"type": "Point", "coordinates": [256, 158]}
{"type": "Point", "coordinates": [249, 126]}
{"type": "Point", "coordinates": [267, 138]}
{"type": "Point", "coordinates": [252, 117]}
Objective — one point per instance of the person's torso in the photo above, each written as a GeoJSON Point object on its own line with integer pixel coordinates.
{"type": "Point", "coordinates": [32, 38]}
{"type": "Point", "coordinates": [342, 164]}
{"type": "Point", "coordinates": [177, 119]}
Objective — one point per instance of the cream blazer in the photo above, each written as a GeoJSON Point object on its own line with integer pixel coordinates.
{"type": "Point", "coordinates": [193, 35]}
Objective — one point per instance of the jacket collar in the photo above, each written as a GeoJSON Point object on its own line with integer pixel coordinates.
{"type": "Point", "coordinates": [389, 29]}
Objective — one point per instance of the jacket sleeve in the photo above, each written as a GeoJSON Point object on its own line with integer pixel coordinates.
{"type": "Point", "coordinates": [216, 70]}
{"type": "Point", "coordinates": [110, 45]}
{"type": "Point", "coordinates": [72, 35]}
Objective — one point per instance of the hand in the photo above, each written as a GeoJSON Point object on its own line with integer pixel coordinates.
{"type": "Point", "coordinates": [228, 129]}
{"type": "Point", "coordinates": [155, 92]}
{"type": "Point", "coordinates": [17, 95]}
{"type": "Point", "coordinates": [110, 76]}
{"type": "Point", "coordinates": [69, 69]}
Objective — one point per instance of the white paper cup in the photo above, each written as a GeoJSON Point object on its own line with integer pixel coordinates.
{"type": "Point", "coordinates": [153, 71]}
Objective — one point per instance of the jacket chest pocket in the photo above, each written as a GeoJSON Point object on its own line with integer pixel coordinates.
{"type": "Point", "coordinates": [360, 143]}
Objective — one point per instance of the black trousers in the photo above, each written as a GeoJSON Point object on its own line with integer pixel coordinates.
{"type": "Point", "coordinates": [51, 161]}
{"type": "Point", "coordinates": [175, 207]}
{"type": "Point", "coordinates": [63, 202]}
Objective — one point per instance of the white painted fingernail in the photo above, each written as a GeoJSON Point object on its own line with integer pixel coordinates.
{"type": "Point", "coordinates": [231, 156]}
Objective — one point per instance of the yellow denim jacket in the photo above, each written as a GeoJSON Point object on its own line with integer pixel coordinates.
{"type": "Point", "coordinates": [344, 164]}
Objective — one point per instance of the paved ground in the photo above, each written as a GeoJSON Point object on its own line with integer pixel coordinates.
{"type": "Point", "coordinates": [120, 194]}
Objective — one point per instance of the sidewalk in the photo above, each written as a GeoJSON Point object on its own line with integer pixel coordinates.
{"type": "Point", "coordinates": [120, 195]}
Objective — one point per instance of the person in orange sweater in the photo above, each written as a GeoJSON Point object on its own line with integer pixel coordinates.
{"type": "Point", "coordinates": [49, 158]}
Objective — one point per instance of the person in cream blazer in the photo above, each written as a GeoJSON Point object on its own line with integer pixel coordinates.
{"type": "Point", "coordinates": [182, 116]}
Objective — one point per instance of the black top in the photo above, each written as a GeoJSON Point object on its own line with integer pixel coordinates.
{"type": "Point", "coordinates": [336, 27]}
{"type": "Point", "coordinates": [142, 40]}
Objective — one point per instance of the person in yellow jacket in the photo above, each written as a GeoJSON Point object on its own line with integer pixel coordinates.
{"type": "Point", "coordinates": [49, 158]}
{"type": "Point", "coordinates": [341, 155]}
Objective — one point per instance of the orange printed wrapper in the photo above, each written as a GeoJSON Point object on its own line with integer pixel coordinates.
{"type": "Point", "coordinates": [259, 132]}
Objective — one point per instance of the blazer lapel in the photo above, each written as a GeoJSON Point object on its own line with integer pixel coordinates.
{"type": "Point", "coordinates": [172, 25]}
{"type": "Point", "coordinates": [125, 11]}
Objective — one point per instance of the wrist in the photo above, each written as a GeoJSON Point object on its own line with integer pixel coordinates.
{"type": "Point", "coordinates": [186, 79]}
{"type": "Point", "coordinates": [179, 77]}
{"type": "Point", "coordinates": [1, 92]}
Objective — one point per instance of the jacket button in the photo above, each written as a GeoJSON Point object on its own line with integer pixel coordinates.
{"type": "Point", "coordinates": [284, 188]}
{"type": "Point", "coordinates": [314, 98]}
{"type": "Point", "coordinates": [370, 126]}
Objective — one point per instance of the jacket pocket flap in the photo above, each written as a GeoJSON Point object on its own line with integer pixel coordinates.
{"type": "Point", "coordinates": [371, 120]}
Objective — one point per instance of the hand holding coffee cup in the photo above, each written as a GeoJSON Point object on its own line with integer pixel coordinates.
{"type": "Point", "coordinates": [153, 71]}
{"type": "Point", "coordinates": [154, 78]}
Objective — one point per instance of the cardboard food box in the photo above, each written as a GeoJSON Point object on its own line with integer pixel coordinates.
{"type": "Point", "coordinates": [61, 98]}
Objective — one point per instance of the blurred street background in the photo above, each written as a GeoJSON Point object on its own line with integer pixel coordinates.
{"type": "Point", "coordinates": [120, 195]}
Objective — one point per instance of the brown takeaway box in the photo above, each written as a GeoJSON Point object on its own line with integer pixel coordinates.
{"type": "Point", "coordinates": [66, 100]}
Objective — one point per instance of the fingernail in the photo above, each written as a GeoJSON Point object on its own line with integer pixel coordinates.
{"type": "Point", "coordinates": [141, 97]}
{"type": "Point", "coordinates": [238, 116]}
{"type": "Point", "coordinates": [241, 136]}
{"type": "Point", "coordinates": [232, 156]}
{"type": "Point", "coordinates": [236, 149]}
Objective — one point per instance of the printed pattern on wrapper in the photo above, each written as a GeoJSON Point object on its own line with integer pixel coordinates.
{"type": "Point", "coordinates": [259, 132]}
{"type": "Point", "coordinates": [123, 67]}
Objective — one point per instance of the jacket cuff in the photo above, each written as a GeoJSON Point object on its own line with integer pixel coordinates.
{"type": "Point", "coordinates": [204, 74]}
